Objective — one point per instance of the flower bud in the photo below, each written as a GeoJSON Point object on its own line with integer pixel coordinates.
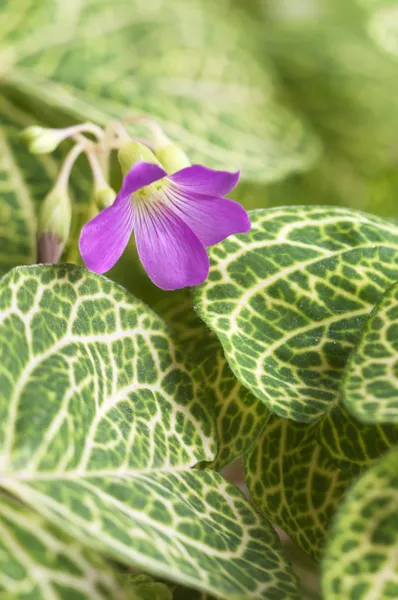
{"type": "Point", "coordinates": [41, 140]}
{"type": "Point", "coordinates": [134, 152]}
{"type": "Point", "coordinates": [54, 225]}
{"type": "Point", "coordinates": [171, 156]}
{"type": "Point", "coordinates": [104, 197]}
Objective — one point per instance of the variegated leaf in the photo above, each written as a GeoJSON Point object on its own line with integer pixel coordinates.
{"type": "Point", "coordinates": [101, 427]}
{"type": "Point", "coordinates": [289, 299]}
{"type": "Point", "coordinates": [360, 560]}
{"type": "Point", "coordinates": [39, 561]}
{"type": "Point", "coordinates": [370, 386]}
{"type": "Point", "coordinates": [240, 417]}
{"type": "Point", "coordinates": [353, 445]}
{"type": "Point", "coordinates": [294, 483]}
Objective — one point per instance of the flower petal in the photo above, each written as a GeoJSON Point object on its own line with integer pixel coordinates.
{"type": "Point", "coordinates": [206, 181]}
{"type": "Point", "coordinates": [211, 219]}
{"type": "Point", "coordinates": [104, 238]}
{"type": "Point", "coordinates": [141, 174]}
{"type": "Point", "coordinates": [170, 252]}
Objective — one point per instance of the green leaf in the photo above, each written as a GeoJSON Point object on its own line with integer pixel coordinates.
{"type": "Point", "coordinates": [240, 417]}
{"type": "Point", "coordinates": [370, 386]}
{"type": "Point", "coordinates": [38, 561]}
{"type": "Point", "coordinates": [17, 218]}
{"type": "Point", "coordinates": [294, 483]}
{"type": "Point", "coordinates": [360, 559]}
{"type": "Point", "coordinates": [99, 60]}
{"type": "Point", "coordinates": [288, 300]}
{"type": "Point", "coordinates": [353, 445]}
{"type": "Point", "coordinates": [101, 428]}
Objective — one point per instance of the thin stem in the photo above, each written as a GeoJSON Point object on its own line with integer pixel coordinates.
{"type": "Point", "coordinates": [67, 166]}
{"type": "Point", "coordinates": [98, 174]}
{"type": "Point", "coordinates": [97, 131]}
{"type": "Point", "coordinates": [158, 133]}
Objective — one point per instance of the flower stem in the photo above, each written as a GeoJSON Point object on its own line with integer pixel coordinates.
{"type": "Point", "coordinates": [71, 157]}
{"type": "Point", "coordinates": [95, 130]}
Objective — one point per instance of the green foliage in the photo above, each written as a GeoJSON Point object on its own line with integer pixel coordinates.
{"type": "Point", "coordinates": [25, 181]}
{"type": "Point", "coordinates": [107, 453]}
{"type": "Point", "coordinates": [294, 483]}
{"type": "Point", "coordinates": [288, 301]}
{"type": "Point", "coordinates": [115, 419]}
{"type": "Point", "coordinates": [360, 557]}
{"type": "Point", "coordinates": [351, 444]}
{"type": "Point", "coordinates": [39, 561]}
{"type": "Point", "coordinates": [240, 416]}
{"type": "Point", "coordinates": [98, 60]}
{"type": "Point", "coordinates": [345, 86]}
{"type": "Point", "coordinates": [370, 390]}
{"type": "Point", "coordinates": [17, 219]}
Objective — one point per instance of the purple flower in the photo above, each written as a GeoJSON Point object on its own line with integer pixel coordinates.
{"type": "Point", "coordinates": [174, 218]}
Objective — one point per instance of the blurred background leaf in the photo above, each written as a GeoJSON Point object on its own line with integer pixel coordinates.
{"type": "Point", "coordinates": [205, 84]}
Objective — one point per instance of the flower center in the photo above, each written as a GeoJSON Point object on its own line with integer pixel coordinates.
{"type": "Point", "coordinates": [152, 194]}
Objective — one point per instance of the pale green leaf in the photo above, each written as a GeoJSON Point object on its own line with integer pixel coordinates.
{"type": "Point", "coordinates": [101, 427]}
{"type": "Point", "coordinates": [205, 85]}
{"type": "Point", "coordinates": [289, 299]}
{"type": "Point", "coordinates": [240, 417]}
{"type": "Point", "coordinates": [40, 562]}
{"type": "Point", "coordinates": [17, 217]}
{"type": "Point", "coordinates": [353, 445]}
{"type": "Point", "coordinates": [370, 387]}
{"type": "Point", "coordinates": [360, 560]}
{"type": "Point", "coordinates": [293, 482]}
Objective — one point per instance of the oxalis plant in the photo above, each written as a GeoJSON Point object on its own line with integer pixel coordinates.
{"type": "Point", "coordinates": [276, 343]}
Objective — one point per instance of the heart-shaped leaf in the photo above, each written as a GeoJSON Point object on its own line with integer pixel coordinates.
{"type": "Point", "coordinates": [370, 387]}
{"type": "Point", "coordinates": [98, 60]}
{"type": "Point", "coordinates": [294, 483]}
{"type": "Point", "coordinates": [360, 559]}
{"type": "Point", "coordinates": [289, 299]}
{"type": "Point", "coordinates": [101, 428]}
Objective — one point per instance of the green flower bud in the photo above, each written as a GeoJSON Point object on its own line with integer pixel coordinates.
{"type": "Point", "coordinates": [134, 152]}
{"type": "Point", "coordinates": [104, 197]}
{"type": "Point", "coordinates": [54, 225]}
{"type": "Point", "coordinates": [41, 140]}
{"type": "Point", "coordinates": [171, 156]}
